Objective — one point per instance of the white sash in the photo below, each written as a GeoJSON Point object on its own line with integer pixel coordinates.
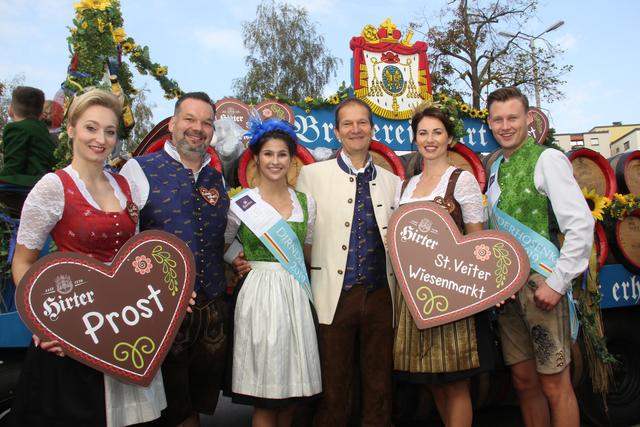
{"type": "Point", "coordinates": [274, 233]}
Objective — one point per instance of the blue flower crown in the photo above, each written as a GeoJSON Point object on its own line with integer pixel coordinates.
{"type": "Point", "coordinates": [257, 128]}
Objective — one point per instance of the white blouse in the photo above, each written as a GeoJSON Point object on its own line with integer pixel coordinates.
{"type": "Point", "coordinates": [467, 194]}
{"type": "Point", "coordinates": [233, 222]}
{"type": "Point", "coordinates": [44, 206]}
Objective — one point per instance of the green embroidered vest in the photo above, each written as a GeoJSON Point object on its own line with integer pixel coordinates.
{"type": "Point", "coordinates": [253, 248]}
{"type": "Point", "coordinates": [519, 196]}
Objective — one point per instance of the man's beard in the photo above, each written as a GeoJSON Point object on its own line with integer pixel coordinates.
{"type": "Point", "coordinates": [190, 151]}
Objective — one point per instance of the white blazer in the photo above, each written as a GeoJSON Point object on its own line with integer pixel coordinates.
{"type": "Point", "coordinates": [334, 192]}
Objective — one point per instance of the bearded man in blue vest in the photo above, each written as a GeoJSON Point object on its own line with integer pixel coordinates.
{"type": "Point", "coordinates": [179, 192]}
{"type": "Point", "coordinates": [533, 195]}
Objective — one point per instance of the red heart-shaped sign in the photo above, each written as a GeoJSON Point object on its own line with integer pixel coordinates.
{"type": "Point", "coordinates": [445, 276]}
{"type": "Point", "coordinates": [121, 318]}
{"type": "Point", "coordinates": [210, 195]}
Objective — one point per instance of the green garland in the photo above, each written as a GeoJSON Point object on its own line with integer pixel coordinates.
{"type": "Point", "coordinates": [98, 34]}
{"type": "Point", "coordinates": [96, 38]}
{"type": "Point", "coordinates": [457, 108]}
{"type": "Point", "coordinates": [310, 103]}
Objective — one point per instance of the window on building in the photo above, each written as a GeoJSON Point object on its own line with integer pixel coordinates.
{"type": "Point", "coordinates": [626, 145]}
{"type": "Point", "coordinates": [617, 150]}
{"type": "Point", "coordinates": [595, 142]}
{"type": "Point", "coordinates": [577, 143]}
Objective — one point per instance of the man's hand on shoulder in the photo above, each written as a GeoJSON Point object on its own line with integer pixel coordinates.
{"type": "Point", "coordinates": [545, 297]}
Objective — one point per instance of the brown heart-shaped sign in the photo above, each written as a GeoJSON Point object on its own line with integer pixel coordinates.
{"type": "Point", "coordinates": [120, 318]}
{"type": "Point", "coordinates": [445, 276]}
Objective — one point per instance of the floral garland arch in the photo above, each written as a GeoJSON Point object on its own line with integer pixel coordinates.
{"type": "Point", "coordinates": [97, 43]}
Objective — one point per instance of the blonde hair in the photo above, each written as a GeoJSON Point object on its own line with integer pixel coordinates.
{"type": "Point", "coordinates": [82, 103]}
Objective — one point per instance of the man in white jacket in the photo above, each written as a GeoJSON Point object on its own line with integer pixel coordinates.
{"type": "Point", "coordinates": [351, 276]}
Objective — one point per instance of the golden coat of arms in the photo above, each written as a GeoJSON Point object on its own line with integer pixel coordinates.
{"type": "Point", "coordinates": [390, 74]}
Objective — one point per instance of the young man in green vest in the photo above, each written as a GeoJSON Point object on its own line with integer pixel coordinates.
{"type": "Point", "coordinates": [533, 195]}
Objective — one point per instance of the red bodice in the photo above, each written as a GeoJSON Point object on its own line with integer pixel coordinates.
{"type": "Point", "coordinates": [88, 230]}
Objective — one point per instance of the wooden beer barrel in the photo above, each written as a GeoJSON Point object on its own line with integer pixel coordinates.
{"type": "Point", "coordinates": [385, 157]}
{"type": "Point", "coordinates": [602, 246]}
{"type": "Point", "coordinates": [155, 139]}
{"type": "Point", "coordinates": [624, 241]}
{"type": "Point", "coordinates": [159, 131]}
{"type": "Point", "coordinates": [459, 156]}
{"type": "Point", "coordinates": [158, 144]}
{"type": "Point", "coordinates": [489, 160]}
{"type": "Point", "coordinates": [592, 171]}
{"type": "Point", "coordinates": [248, 171]}
{"type": "Point", "coordinates": [464, 158]}
{"type": "Point", "coordinates": [626, 167]}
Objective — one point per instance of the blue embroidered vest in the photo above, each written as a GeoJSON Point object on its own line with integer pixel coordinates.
{"type": "Point", "coordinates": [366, 259]}
{"type": "Point", "coordinates": [176, 205]}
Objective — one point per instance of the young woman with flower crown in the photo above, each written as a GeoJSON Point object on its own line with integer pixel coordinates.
{"type": "Point", "coordinates": [443, 357]}
{"type": "Point", "coordinates": [90, 211]}
{"type": "Point", "coordinates": [275, 352]}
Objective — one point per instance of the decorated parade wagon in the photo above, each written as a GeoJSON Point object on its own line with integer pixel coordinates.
{"type": "Point", "coordinates": [391, 74]}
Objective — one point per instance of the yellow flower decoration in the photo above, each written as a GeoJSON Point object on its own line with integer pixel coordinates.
{"type": "Point", "coordinates": [234, 190]}
{"type": "Point", "coordinates": [595, 202]}
{"type": "Point", "coordinates": [84, 25]}
{"type": "Point", "coordinates": [127, 47]}
{"type": "Point", "coordinates": [161, 71]}
{"type": "Point", "coordinates": [606, 201]}
{"type": "Point", "coordinates": [100, 4]}
{"type": "Point", "coordinates": [334, 99]}
{"type": "Point", "coordinates": [620, 198]}
{"type": "Point", "coordinates": [119, 35]}
{"type": "Point", "coordinates": [308, 99]}
{"type": "Point", "coordinates": [464, 108]}
{"type": "Point", "coordinates": [443, 97]}
{"type": "Point", "coordinates": [92, 4]}
{"type": "Point", "coordinates": [100, 25]}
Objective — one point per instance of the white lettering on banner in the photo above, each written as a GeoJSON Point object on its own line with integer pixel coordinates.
{"type": "Point", "coordinates": [94, 320]}
{"type": "Point", "coordinates": [482, 131]}
{"type": "Point", "coordinates": [399, 130]}
{"type": "Point", "coordinates": [470, 142]}
{"type": "Point", "coordinates": [387, 133]}
{"type": "Point", "coordinates": [626, 296]}
{"type": "Point", "coordinates": [328, 134]}
{"type": "Point", "coordinates": [303, 125]}
{"type": "Point", "coordinates": [317, 131]}
{"type": "Point", "coordinates": [470, 132]}
{"type": "Point", "coordinates": [238, 119]}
